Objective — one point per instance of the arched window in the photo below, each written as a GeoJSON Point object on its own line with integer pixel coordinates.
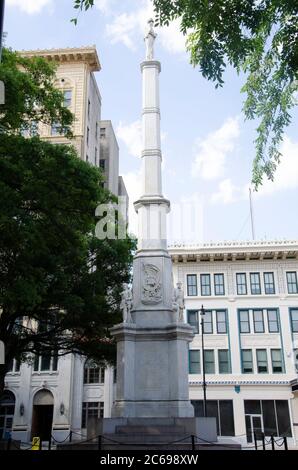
{"type": "Point", "coordinates": [94, 373]}
{"type": "Point", "coordinates": [7, 407]}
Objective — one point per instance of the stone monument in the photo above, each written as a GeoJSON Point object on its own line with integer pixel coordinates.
{"type": "Point", "coordinates": [152, 341]}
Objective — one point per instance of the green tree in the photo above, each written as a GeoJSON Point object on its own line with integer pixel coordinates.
{"type": "Point", "coordinates": [257, 37]}
{"type": "Point", "coordinates": [59, 285]}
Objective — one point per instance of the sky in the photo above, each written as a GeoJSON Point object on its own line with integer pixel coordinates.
{"type": "Point", "coordinates": [207, 145]}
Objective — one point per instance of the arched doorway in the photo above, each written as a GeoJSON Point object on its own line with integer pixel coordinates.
{"type": "Point", "coordinates": [42, 417]}
{"type": "Point", "coordinates": [7, 407]}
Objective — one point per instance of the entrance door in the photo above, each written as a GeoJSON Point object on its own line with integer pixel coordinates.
{"type": "Point", "coordinates": [42, 421]}
{"type": "Point", "coordinates": [254, 424]}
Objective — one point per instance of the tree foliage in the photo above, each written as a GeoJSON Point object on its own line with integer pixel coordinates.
{"type": "Point", "coordinates": [59, 285]}
{"type": "Point", "coordinates": [258, 37]}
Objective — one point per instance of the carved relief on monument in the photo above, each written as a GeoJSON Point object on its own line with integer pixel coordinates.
{"type": "Point", "coordinates": [151, 286]}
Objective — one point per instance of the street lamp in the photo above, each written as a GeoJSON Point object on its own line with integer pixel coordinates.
{"type": "Point", "coordinates": [202, 312]}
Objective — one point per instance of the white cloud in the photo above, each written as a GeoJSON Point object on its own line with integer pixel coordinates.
{"type": "Point", "coordinates": [131, 135]}
{"type": "Point", "coordinates": [228, 192]}
{"type": "Point", "coordinates": [129, 28]}
{"type": "Point", "coordinates": [286, 175]}
{"type": "Point", "coordinates": [212, 151]}
{"type": "Point", "coordinates": [104, 6]}
{"type": "Point", "coordinates": [29, 6]}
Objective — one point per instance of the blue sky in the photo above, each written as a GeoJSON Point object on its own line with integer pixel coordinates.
{"type": "Point", "coordinates": [207, 147]}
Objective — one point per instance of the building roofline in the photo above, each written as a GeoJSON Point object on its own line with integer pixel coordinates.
{"type": "Point", "coordinates": [86, 54]}
{"type": "Point", "coordinates": [235, 250]}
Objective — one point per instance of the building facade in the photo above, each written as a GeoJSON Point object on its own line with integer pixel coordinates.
{"type": "Point", "coordinates": [248, 293]}
{"type": "Point", "coordinates": [52, 396]}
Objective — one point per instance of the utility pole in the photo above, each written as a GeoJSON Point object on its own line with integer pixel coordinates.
{"type": "Point", "coordinates": [2, 7]}
{"type": "Point", "coordinates": [251, 215]}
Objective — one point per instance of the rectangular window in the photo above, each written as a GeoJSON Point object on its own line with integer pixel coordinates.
{"type": "Point", "coordinates": [96, 130]}
{"type": "Point", "coordinates": [209, 361]}
{"type": "Point", "coordinates": [244, 321]}
{"type": "Point", "coordinates": [247, 362]}
{"type": "Point", "coordinates": [262, 362]}
{"type": "Point", "coordinates": [269, 283]}
{"type": "Point", "coordinates": [205, 284]}
{"type": "Point", "coordinates": [102, 132]}
{"type": "Point", "coordinates": [219, 284]}
{"type": "Point", "coordinates": [193, 320]}
{"type": "Point", "coordinates": [192, 287]}
{"type": "Point", "coordinates": [102, 165]}
{"type": "Point", "coordinates": [221, 321]}
{"type": "Point", "coordinates": [89, 108]}
{"type": "Point", "coordinates": [294, 319]}
{"type": "Point", "coordinates": [223, 361]}
{"type": "Point", "coordinates": [90, 409]}
{"type": "Point", "coordinates": [241, 284]}
{"type": "Point", "coordinates": [276, 358]}
{"type": "Point", "coordinates": [273, 325]}
{"type": "Point", "coordinates": [222, 410]}
{"type": "Point", "coordinates": [207, 322]}
{"type": "Point", "coordinates": [258, 319]}
{"type": "Point", "coordinates": [275, 413]}
{"type": "Point", "coordinates": [67, 98]}
{"type": "Point", "coordinates": [45, 362]}
{"type": "Point", "coordinates": [194, 361]}
{"type": "Point", "coordinates": [88, 135]}
{"type": "Point", "coordinates": [292, 282]}
{"type": "Point", "coordinates": [255, 284]}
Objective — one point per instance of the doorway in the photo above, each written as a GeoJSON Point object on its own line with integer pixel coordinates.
{"type": "Point", "coordinates": [42, 417]}
{"type": "Point", "coordinates": [254, 425]}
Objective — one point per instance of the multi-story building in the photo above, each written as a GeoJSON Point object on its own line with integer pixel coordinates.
{"type": "Point", "coordinates": [51, 395]}
{"type": "Point", "coordinates": [248, 293]}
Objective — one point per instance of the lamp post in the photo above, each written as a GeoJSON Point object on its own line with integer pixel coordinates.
{"type": "Point", "coordinates": [202, 312]}
{"type": "Point", "coordinates": [2, 6]}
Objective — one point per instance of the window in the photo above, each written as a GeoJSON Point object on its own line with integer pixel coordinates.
{"type": "Point", "coordinates": [192, 288]}
{"type": "Point", "coordinates": [292, 282]}
{"type": "Point", "coordinates": [247, 363]}
{"type": "Point", "coordinates": [241, 283]}
{"type": "Point", "coordinates": [224, 361]}
{"type": "Point", "coordinates": [262, 363]}
{"type": "Point", "coordinates": [55, 129]}
{"type": "Point", "coordinates": [209, 361]}
{"type": "Point", "coordinates": [205, 284]}
{"type": "Point", "coordinates": [67, 98]}
{"type": "Point", "coordinates": [102, 164]}
{"type": "Point", "coordinates": [94, 373]}
{"type": "Point", "coordinates": [14, 366]}
{"type": "Point", "coordinates": [244, 321]}
{"type": "Point", "coordinates": [194, 361]}
{"type": "Point", "coordinates": [89, 108]}
{"type": "Point", "coordinates": [45, 362]}
{"type": "Point", "coordinates": [273, 325]}
{"type": "Point", "coordinates": [102, 132]}
{"type": "Point", "coordinates": [275, 414]}
{"type": "Point", "coordinates": [294, 319]}
{"type": "Point", "coordinates": [269, 283]}
{"type": "Point", "coordinates": [91, 409]}
{"type": "Point", "coordinates": [7, 409]}
{"type": "Point", "coordinates": [219, 284]}
{"type": "Point", "coordinates": [276, 358]}
{"type": "Point", "coordinates": [258, 321]}
{"type": "Point", "coordinates": [255, 283]}
{"type": "Point", "coordinates": [88, 135]}
{"type": "Point", "coordinates": [193, 320]}
{"type": "Point", "coordinates": [207, 322]}
{"type": "Point", "coordinates": [95, 157]}
{"type": "Point", "coordinates": [222, 410]}
{"type": "Point", "coordinates": [96, 130]}
{"type": "Point", "coordinates": [221, 321]}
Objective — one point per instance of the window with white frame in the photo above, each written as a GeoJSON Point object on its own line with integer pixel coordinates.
{"type": "Point", "coordinates": [244, 321]}
{"type": "Point", "coordinates": [294, 319]}
{"type": "Point", "coordinates": [269, 284]}
{"type": "Point", "coordinates": [94, 373]}
{"type": "Point", "coordinates": [292, 282]}
{"type": "Point", "coordinates": [219, 284]}
{"type": "Point", "coordinates": [224, 361]}
{"type": "Point", "coordinates": [209, 361]}
{"type": "Point", "coordinates": [191, 282]}
{"type": "Point", "coordinates": [262, 362]}
{"type": "Point", "coordinates": [255, 283]}
{"type": "Point", "coordinates": [14, 366]}
{"type": "Point", "coordinates": [258, 320]}
{"type": "Point", "coordinates": [247, 361]}
{"type": "Point", "coordinates": [208, 322]}
{"type": "Point", "coordinates": [241, 283]}
{"type": "Point", "coordinates": [273, 323]}
{"type": "Point", "coordinates": [91, 409]}
{"type": "Point", "coordinates": [277, 362]}
{"type": "Point", "coordinates": [194, 361]}
{"type": "Point", "coordinates": [193, 319]}
{"type": "Point", "coordinates": [67, 98]}
{"type": "Point", "coordinates": [221, 321]}
{"type": "Point", "coordinates": [45, 362]}
{"type": "Point", "coordinates": [205, 284]}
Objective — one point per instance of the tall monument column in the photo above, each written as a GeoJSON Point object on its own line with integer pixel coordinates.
{"type": "Point", "coordinates": [152, 343]}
